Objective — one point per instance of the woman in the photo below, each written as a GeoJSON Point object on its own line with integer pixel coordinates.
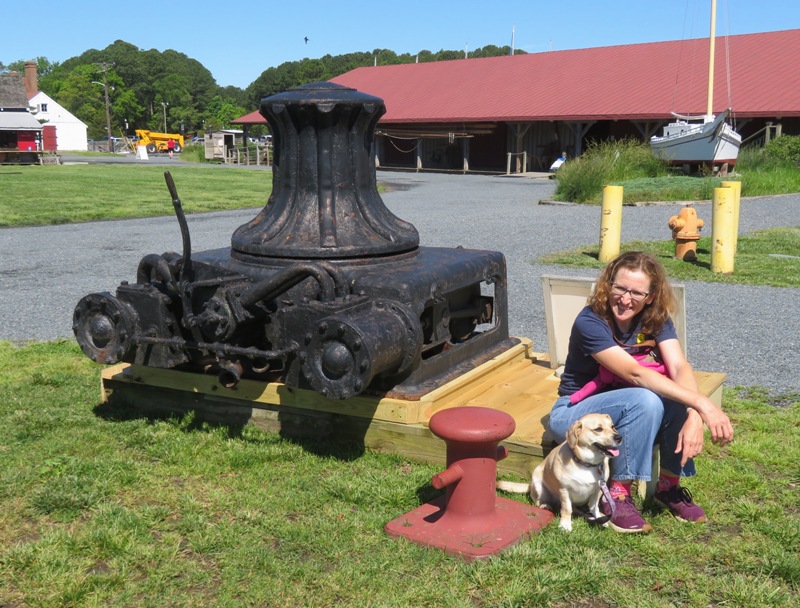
{"type": "Point", "coordinates": [630, 307]}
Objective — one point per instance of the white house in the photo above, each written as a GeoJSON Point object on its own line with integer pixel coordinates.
{"type": "Point", "coordinates": [70, 131]}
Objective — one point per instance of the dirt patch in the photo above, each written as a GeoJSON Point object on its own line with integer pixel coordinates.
{"type": "Point", "coordinates": [395, 186]}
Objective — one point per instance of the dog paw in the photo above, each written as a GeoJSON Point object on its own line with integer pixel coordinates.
{"type": "Point", "coordinates": [566, 526]}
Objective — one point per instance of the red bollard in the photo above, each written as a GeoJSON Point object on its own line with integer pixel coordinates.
{"type": "Point", "coordinates": [469, 520]}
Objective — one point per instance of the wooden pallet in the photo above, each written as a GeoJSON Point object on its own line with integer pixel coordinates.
{"type": "Point", "coordinates": [518, 382]}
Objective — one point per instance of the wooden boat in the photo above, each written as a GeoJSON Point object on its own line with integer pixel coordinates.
{"type": "Point", "coordinates": [712, 142]}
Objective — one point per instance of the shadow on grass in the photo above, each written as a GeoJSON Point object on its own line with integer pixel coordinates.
{"type": "Point", "coordinates": [333, 436]}
{"type": "Point", "coordinates": [698, 263]}
{"type": "Point", "coordinates": [316, 434]}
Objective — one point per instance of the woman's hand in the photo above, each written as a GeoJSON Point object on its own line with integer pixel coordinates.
{"type": "Point", "coordinates": [690, 439]}
{"type": "Point", "coordinates": [717, 422]}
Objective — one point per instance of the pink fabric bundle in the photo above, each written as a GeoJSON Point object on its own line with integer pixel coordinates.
{"type": "Point", "coordinates": [608, 378]}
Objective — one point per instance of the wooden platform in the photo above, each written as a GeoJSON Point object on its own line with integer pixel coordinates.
{"type": "Point", "coordinates": [29, 157]}
{"type": "Point", "coordinates": [519, 382]}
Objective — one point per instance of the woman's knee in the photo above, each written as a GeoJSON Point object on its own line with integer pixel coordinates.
{"type": "Point", "coordinates": [561, 417]}
{"type": "Point", "coordinates": [646, 405]}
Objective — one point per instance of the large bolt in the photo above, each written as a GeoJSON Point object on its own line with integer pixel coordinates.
{"type": "Point", "coordinates": [336, 360]}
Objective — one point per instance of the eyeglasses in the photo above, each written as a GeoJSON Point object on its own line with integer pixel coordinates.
{"type": "Point", "coordinates": [636, 296]}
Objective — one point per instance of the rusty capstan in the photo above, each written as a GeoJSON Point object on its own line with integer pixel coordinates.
{"type": "Point", "coordinates": [325, 288]}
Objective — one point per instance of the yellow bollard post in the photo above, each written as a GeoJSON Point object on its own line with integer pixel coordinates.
{"type": "Point", "coordinates": [610, 223]}
{"type": "Point", "coordinates": [722, 224]}
{"type": "Point", "coordinates": [736, 186]}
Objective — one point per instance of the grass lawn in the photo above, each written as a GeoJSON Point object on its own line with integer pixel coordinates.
{"type": "Point", "coordinates": [102, 507]}
{"type": "Point", "coordinates": [109, 508]}
{"type": "Point", "coordinates": [38, 195]}
{"type": "Point", "coordinates": [631, 164]}
{"type": "Point", "coordinates": [764, 257]}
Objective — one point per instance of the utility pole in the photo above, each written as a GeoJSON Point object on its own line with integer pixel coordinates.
{"type": "Point", "coordinates": [104, 66]}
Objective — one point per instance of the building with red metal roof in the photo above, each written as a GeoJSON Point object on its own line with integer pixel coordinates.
{"type": "Point", "coordinates": [480, 113]}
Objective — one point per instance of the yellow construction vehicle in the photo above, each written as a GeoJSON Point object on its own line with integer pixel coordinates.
{"type": "Point", "coordinates": [157, 142]}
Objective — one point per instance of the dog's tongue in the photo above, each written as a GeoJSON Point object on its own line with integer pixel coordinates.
{"type": "Point", "coordinates": [613, 452]}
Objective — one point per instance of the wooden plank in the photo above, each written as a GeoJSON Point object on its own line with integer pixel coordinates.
{"type": "Point", "coordinates": [518, 395]}
{"type": "Point", "coordinates": [518, 352]}
{"type": "Point", "coordinates": [274, 393]}
{"type": "Point", "coordinates": [514, 383]}
{"type": "Point", "coordinates": [476, 393]}
{"type": "Point", "coordinates": [507, 390]}
{"type": "Point", "coordinates": [527, 397]}
{"type": "Point", "coordinates": [413, 441]}
{"type": "Point", "coordinates": [157, 402]}
{"type": "Point", "coordinates": [710, 384]}
{"type": "Point", "coordinates": [388, 409]}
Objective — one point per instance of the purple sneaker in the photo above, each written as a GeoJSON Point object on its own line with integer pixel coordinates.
{"type": "Point", "coordinates": [679, 501]}
{"type": "Point", "coordinates": [625, 517]}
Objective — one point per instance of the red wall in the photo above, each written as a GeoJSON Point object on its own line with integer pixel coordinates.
{"type": "Point", "coordinates": [49, 133]}
{"type": "Point", "coordinates": [26, 140]}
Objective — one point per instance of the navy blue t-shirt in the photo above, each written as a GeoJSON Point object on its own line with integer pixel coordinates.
{"type": "Point", "coordinates": [592, 334]}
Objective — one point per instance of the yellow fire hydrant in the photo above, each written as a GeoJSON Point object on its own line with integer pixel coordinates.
{"type": "Point", "coordinates": [686, 227]}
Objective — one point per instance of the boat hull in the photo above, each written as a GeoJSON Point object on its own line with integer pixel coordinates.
{"type": "Point", "coordinates": [711, 143]}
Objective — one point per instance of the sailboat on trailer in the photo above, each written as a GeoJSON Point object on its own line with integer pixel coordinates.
{"type": "Point", "coordinates": [710, 142]}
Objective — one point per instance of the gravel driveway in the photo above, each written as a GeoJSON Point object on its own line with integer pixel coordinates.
{"type": "Point", "coordinates": [747, 331]}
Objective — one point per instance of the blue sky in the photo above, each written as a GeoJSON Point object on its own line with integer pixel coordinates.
{"type": "Point", "coordinates": [238, 39]}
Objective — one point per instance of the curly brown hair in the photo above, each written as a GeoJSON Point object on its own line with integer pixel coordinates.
{"type": "Point", "coordinates": [654, 314]}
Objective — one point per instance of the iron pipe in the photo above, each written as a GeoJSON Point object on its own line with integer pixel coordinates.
{"type": "Point", "coordinates": [186, 265]}
{"type": "Point", "coordinates": [217, 347]}
{"type": "Point", "coordinates": [230, 373]}
{"type": "Point", "coordinates": [283, 280]}
{"type": "Point", "coordinates": [158, 263]}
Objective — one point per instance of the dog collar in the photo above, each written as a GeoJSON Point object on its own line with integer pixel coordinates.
{"type": "Point", "coordinates": [588, 465]}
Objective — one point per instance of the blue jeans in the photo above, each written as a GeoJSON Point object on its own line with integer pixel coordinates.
{"type": "Point", "coordinates": [642, 418]}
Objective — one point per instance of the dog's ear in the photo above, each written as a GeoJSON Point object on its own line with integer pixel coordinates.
{"type": "Point", "coordinates": [573, 432]}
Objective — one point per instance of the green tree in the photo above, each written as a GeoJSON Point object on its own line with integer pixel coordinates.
{"type": "Point", "coordinates": [236, 95]}
{"type": "Point", "coordinates": [491, 50]}
{"type": "Point", "coordinates": [43, 66]}
{"type": "Point", "coordinates": [125, 110]}
{"type": "Point", "coordinates": [311, 70]}
{"type": "Point", "coordinates": [220, 112]}
{"type": "Point", "coordinates": [384, 57]}
{"type": "Point", "coordinates": [448, 55]}
{"type": "Point", "coordinates": [295, 73]}
{"type": "Point", "coordinates": [785, 147]}
{"type": "Point", "coordinates": [77, 93]}
{"type": "Point", "coordinates": [153, 77]}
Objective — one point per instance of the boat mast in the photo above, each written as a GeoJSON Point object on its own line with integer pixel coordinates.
{"type": "Point", "coordinates": [711, 48]}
